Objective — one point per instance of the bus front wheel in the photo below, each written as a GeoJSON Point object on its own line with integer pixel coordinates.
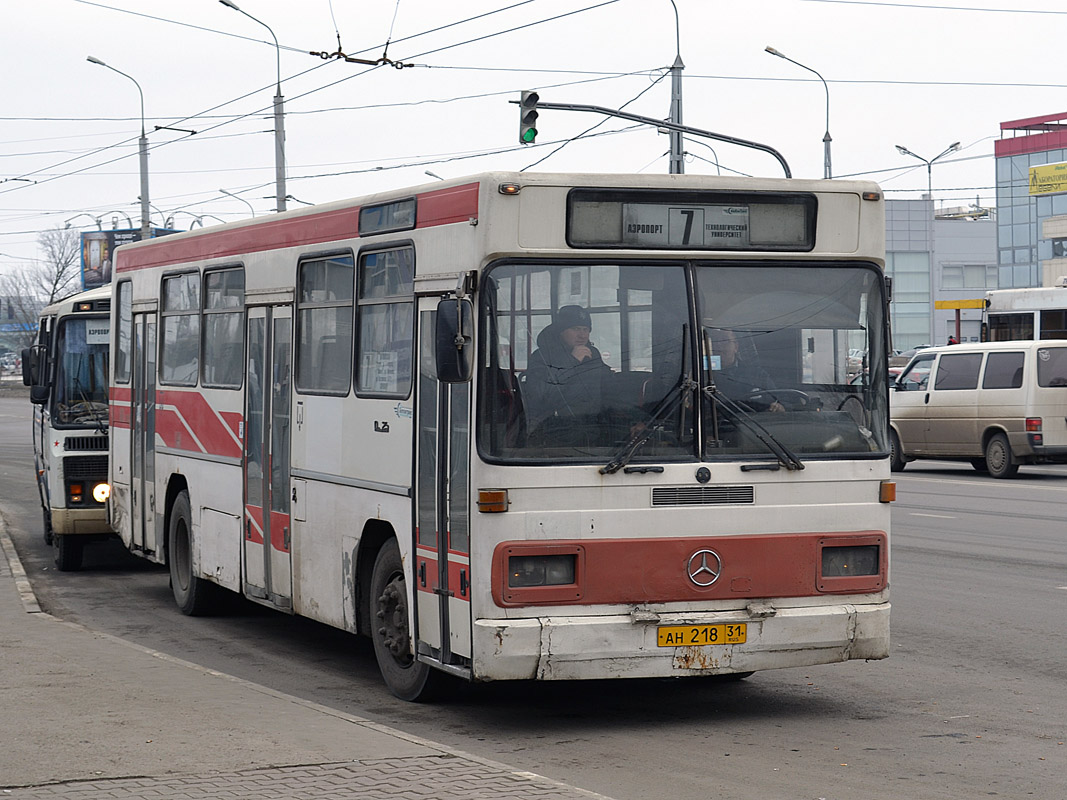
{"type": "Point", "coordinates": [194, 596]}
{"type": "Point", "coordinates": [67, 551]}
{"type": "Point", "coordinates": [48, 533]}
{"type": "Point", "coordinates": [390, 624]}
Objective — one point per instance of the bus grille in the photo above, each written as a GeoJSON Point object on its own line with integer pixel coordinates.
{"type": "Point", "coordinates": [702, 495]}
{"type": "Point", "coordinates": [85, 443]}
{"type": "Point", "coordinates": [85, 467]}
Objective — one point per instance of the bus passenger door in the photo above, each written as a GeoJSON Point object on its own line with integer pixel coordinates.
{"type": "Point", "coordinates": [143, 436]}
{"type": "Point", "coordinates": [267, 562]}
{"type": "Point", "coordinates": [442, 490]}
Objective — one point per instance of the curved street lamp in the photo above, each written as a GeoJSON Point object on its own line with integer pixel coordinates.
{"type": "Point", "coordinates": [929, 164]}
{"type": "Point", "coordinates": [142, 150]}
{"type": "Point", "coordinates": [238, 197]}
{"type": "Point", "coordinates": [279, 114]}
{"type": "Point", "coordinates": [826, 137]}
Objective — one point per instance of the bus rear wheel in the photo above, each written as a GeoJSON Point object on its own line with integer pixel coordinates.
{"type": "Point", "coordinates": [194, 596]}
{"type": "Point", "coordinates": [67, 552]}
{"type": "Point", "coordinates": [390, 623]}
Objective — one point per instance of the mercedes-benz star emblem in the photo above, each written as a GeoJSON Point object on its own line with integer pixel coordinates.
{"type": "Point", "coordinates": [704, 567]}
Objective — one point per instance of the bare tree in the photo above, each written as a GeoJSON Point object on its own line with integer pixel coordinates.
{"type": "Point", "coordinates": [29, 288]}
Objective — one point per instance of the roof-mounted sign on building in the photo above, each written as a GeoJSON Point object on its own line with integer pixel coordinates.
{"type": "Point", "coordinates": [1048, 179]}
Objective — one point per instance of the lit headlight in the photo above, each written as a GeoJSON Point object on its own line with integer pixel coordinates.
{"type": "Point", "coordinates": [101, 492]}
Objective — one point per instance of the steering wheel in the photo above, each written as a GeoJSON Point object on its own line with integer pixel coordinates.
{"type": "Point", "coordinates": [792, 399]}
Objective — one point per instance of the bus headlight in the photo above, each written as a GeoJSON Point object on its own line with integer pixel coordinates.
{"type": "Point", "coordinates": [843, 562]}
{"type": "Point", "coordinates": [541, 570]}
{"type": "Point", "coordinates": [101, 492]}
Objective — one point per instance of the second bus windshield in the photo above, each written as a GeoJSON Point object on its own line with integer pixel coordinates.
{"type": "Point", "coordinates": [81, 372]}
{"type": "Point", "coordinates": [580, 359]}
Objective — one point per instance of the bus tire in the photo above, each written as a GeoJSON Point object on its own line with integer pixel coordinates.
{"type": "Point", "coordinates": [194, 596]}
{"type": "Point", "coordinates": [67, 552]}
{"type": "Point", "coordinates": [998, 458]}
{"type": "Point", "coordinates": [896, 456]}
{"type": "Point", "coordinates": [390, 630]}
{"type": "Point", "coordinates": [47, 525]}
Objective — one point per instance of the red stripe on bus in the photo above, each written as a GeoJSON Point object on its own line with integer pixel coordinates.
{"type": "Point", "coordinates": [446, 206]}
{"type": "Point", "coordinates": [437, 207]}
{"type": "Point", "coordinates": [119, 411]}
{"type": "Point", "coordinates": [254, 532]}
{"type": "Point", "coordinates": [459, 585]}
{"type": "Point", "coordinates": [657, 570]}
{"type": "Point", "coordinates": [186, 421]}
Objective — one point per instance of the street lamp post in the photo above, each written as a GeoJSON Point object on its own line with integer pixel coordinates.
{"type": "Point", "coordinates": [929, 164]}
{"type": "Point", "coordinates": [827, 172]}
{"type": "Point", "coordinates": [279, 115]}
{"type": "Point", "coordinates": [677, 160]}
{"type": "Point", "coordinates": [238, 197]}
{"type": "Point", "coordinates": [142, 151]}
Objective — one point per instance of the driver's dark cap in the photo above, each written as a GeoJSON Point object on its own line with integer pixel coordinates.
{"type": "Point", "coordinates": [573, 316]}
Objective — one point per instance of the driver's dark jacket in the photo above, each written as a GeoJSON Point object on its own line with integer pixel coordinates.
{"type": "Point", "coordinates": [563, 397]}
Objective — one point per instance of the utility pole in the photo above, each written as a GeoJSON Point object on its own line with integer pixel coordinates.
{"type": "Point", "coordinates": [677, 141]}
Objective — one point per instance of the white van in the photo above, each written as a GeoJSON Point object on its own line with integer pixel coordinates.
{"type": "Point", "coordinates": [994, 404]}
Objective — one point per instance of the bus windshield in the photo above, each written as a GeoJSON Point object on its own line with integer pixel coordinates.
{"type": "Point", "coordinates": [81, 372]}
{"type": "Point", "coordinates": [587, 362]}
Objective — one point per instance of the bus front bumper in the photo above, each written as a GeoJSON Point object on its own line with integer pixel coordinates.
{"type": "Point", "coordinates": [79, 521]}
{"type": "Point", "coordinates": [624, 646]}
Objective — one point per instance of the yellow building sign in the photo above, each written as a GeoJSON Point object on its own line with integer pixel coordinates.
{"type": "Point", "coordinates": [1048, 179]}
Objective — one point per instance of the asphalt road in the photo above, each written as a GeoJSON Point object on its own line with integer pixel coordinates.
{"type": "Point", "coordinates": [972, 701]}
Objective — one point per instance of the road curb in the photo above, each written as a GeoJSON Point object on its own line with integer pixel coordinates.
{"type": "Point", "coordinates": [22, 583]}
{"type": "Point", "coordinates": [31, 605]}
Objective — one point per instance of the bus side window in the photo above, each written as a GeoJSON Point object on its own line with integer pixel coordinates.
{"type": "Point", "coordinates": [386, 321]}
{"type": "Point", "coordinates": [324, 325]}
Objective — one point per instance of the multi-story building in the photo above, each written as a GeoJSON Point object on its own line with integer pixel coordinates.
{"type": "Point", "coordinates": [937, 257]}
{"type": "Point", "coordinates": [1031, 158]}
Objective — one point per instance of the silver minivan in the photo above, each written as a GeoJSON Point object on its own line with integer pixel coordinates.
{"type": "Point", "coordinates": [994, 404]}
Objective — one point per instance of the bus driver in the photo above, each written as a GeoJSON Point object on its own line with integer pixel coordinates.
{"type": "Point", "coordinates": [733, 377]}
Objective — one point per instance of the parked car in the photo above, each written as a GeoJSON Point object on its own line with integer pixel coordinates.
{"type": "Point", "coordinates": [902, 357]}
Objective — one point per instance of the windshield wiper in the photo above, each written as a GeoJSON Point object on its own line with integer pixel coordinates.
{"type": "Point", "coordinates": [737, 413]}
{"type": "Point", "coordinates": [652, 425]}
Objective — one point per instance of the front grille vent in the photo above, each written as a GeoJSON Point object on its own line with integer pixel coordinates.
{"type": "Point", "coordinates": [85, 443]}
{"type": "Point", "coordinates": [85, 467]}
{"type": "Point", "coordinates": [703, 495]}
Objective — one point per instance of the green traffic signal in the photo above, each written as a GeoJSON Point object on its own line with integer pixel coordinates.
{"type": "Point", "coordinates": [528, 117]}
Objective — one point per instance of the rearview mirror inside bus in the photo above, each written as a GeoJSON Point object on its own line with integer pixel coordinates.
{"type": "Point", "coordinates": [455, 341]}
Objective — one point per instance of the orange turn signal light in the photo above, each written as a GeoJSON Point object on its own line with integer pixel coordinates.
{"type": "Point", "coordinates": [887, 493]}
{"type": "Point", "coordinates": [493, 501]}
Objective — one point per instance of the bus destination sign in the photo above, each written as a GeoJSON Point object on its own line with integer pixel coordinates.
{"type": "Point", "coordinates": [722, 221]}
{"type": "Point", "coordinates": [655, 226]}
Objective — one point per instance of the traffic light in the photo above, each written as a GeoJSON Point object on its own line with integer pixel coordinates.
{"type": "Point", "coordinates": [528, 117]}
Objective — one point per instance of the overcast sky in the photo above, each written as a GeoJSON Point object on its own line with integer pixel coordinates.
{"type": "Point", "coordinates": [919, 75]}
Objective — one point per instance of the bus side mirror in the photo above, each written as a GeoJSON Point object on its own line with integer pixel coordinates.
{"type": "Point", "coordinates": [455, 340]}
{"type": "Point", "coordinates": [30, 366]}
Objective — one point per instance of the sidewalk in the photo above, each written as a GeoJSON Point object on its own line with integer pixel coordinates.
{"type": "Point", "coordinates": [89, 715]}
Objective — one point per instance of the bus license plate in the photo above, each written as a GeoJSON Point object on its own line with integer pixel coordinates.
{"type": "Point", "coordinates": [689, 635]}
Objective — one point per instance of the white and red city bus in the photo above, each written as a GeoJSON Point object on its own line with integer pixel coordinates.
{"type": "Point", "coordinates": [364, 413]}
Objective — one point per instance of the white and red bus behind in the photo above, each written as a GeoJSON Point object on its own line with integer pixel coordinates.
{"type": "Point", "coordinates": [67, 372]}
